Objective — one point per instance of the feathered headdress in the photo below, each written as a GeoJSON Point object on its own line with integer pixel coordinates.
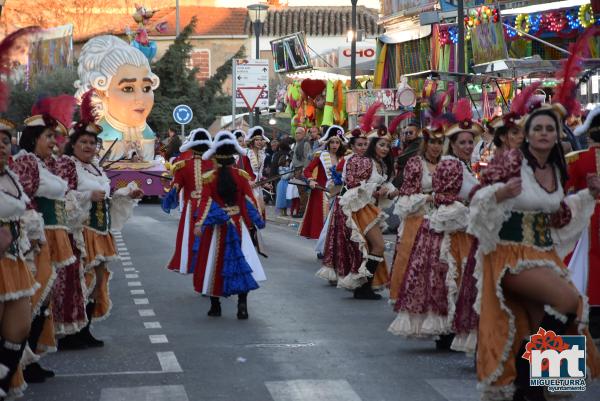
{"type": "Point", "coordinates": [8, 47]}
{"type": "Point", "coordinates": [435, 112]}
{"type": "Point", "coordinates": [366, 121]}
{"type": "Point", "coordinates": [397, 120]}
{"type": "Point", "coordinates": [565, 92]}
{"type": "Point", "coordinates": [462, 119]}
{"type": "Point", "coordinates": [87, 116]}
{"type": "Point", "coordinates": [53, 112]}
{"type": "Point", "coordinates": [519, 107]}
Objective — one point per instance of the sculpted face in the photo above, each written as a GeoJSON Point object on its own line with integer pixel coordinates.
{"type": "Point", "coordinates": [129, 98]}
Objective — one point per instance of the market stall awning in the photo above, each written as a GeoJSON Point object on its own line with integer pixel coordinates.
{"type": "Point", "coordinates": [362, 69]}
{"type": "Point", "coordinates": [477, 79]}
{"type": "Point", "coordinates": [536, 8]}
{"type": "Point", "coordinates": [406, 35]}
{"type": "Point", "coordinates": [519, 68]}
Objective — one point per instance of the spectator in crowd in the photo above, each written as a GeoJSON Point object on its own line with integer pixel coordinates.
{"type": "Point", "coordinates": [14, 145]}
{"type": "Point", "coordinates": [411, 144]}
{"type": "Point", "coordinates": [173, 144]}
{"type": "Point", "coordinates": [300, 158]}
{"type": "Point", "coordinates": [315, 135]}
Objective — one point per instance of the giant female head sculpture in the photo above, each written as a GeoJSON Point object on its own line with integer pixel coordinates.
{"type": "Point", "coordinates": [123, 82]}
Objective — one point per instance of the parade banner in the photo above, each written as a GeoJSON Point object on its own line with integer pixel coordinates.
{"type": "Point", "coordinates": [488, 42]}
{"type": "Point", "coordinates": [52, 48]}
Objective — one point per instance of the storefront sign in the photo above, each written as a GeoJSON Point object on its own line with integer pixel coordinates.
{"type": "Point", "coordinates": [363, 54]}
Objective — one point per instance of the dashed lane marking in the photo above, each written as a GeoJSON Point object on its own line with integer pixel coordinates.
{"type": "Point", "coordinates": [145, 393]}
{"type": "Point", "coordinates": [310, 390]}
{"type": "Point", "coordinates": [152, 325]}
{"type": "Point", "coordinates": [128, 276]}
{"type": "Point", "coordinates": [146, 312]}
{"type": "Point", "coordinates": [134, 283]}
{"type": "Point", "coordinates": [158, 339]}
{"type": "Point", "coordinates": [127, 263]}
{"type": "Point", "coordinates": [141, 301]}
{"type": "Point", "coordinates": [168, 362]}
{"type": "Point", "coordinates": [137, 292]}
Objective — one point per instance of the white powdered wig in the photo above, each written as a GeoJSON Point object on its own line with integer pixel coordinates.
{"type": "Point", "coordinates": [223, 138]}
{"type": "Point", "coordinates": [199, 136]}
{"type": "Point", "coordinates": [99, 61]}
{"type": "Point", "coordinates": [582, 129]}
{"type": "Point", "coordinates": [256, 131]}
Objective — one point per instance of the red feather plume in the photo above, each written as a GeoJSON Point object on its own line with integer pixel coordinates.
{"type": "Point", "coordinates": [462, 110]}
{"type": "Point", "coordinates": [520, 104]}
{"type": "Point", "coordinates": [397, 120]}
{"type": "Point", "coordinates": [366, 122]}
{"type": "Point", "coordinates": [86, 109]}
{"type": "Point", "coordinates": [565, 92]}
{"type": "Point", "coordinates": [8, 46]}
{"type": "Point", "coordinates": [61, 108]}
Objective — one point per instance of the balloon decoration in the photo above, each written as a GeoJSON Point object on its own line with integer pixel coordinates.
{"type": "Point", "coordinates": [315, 102]}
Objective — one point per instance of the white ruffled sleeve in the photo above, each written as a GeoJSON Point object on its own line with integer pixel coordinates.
{"type": "Point", "coordinates": [486, 216]}
{"type": "Point", "coordinates": [449, 218]}
{"type": "Point", "coordinates": [411, 204]}
{"type": "Point", "coordinates": [581, 206]}
{"type": "Point", "coordinates": [33, 225]}
{"type": "Point", "coordinates": [78, 205]}
{"type": "Point", "coordinates": [358, 197]}
{"type": "Point", "coordinates": [121, 206]}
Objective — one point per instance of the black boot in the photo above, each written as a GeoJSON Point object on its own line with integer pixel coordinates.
{"type": "Point", "coordinates": [71, 342]}
{"type": "Point", "coordinates": [444, 342]}
{"type": "Point", "coordinates": [85, 335]}
{"type": "Point", "coordinates": [34, 373]}
{"type": "Point", "coordinates": [365, 291]}
{"type": "Point", "coordinates": [523, 391]}
{"type": "Point", "coordinates": [556, 321]}
{"type": "Point", "coordinates": [242, 313]}
{"type": "Point", "coordinates": [215, 307]}
{"type": "Point", "coordinates": [10, 356]}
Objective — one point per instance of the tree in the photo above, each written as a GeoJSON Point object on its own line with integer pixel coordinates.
{"type": "Point", "coordinates": [178, 85]}
{"type": "Point", "coordinates": [23, 96]}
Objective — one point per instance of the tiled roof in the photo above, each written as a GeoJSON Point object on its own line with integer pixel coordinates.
{"type": "Point", "coordinates": [319, 21]}
{"type": "Point", "coordinates": [220, 21]}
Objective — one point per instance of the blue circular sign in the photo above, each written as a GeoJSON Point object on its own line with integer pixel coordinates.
{"type": "Point", "coordinates": [183, 114]}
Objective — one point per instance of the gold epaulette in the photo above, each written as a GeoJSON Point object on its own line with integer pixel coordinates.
{"type": "Point", "coordinates": [348, 152]}
{"type": "Point", "coordinates": [175, 166]}
{"type": "Point", "coordinates": [243, 173]}
{"type": "Point", "coordinates": [572, 157]}
{"type": "Point", "coordinates": [317, 154]}
{"type": "Point", "coordinates": [208, 176]}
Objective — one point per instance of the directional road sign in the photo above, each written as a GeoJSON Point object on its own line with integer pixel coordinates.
{"type": "Point", "coordinates": [250, 75]}
{"type": "Point", "coordinates": [183, 114]}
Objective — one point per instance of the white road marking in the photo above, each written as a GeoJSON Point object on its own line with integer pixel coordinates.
{"type": "Point", "coordinates": [128, 276]}
{"type": "Point", "coordinates": [141, 301]}
{"type": "Point", "coordinates": [311, 390]}
{"type": "Point", "coordinates": [276, 345]}
{"type": "Point", "coordinates": [146, 312]}
{"type": "Point", "coordinates": [125, 257]}
{"type": "Point", "coordinates": [144, 393]}
{"type": "Point", "coordinates": [169, 362]}
{"type": "Point", "coordinates": [129, 269]}
{"type": "Point", "coordinates": [158, 339]}
{"type": "Point", "coordinates": [134, 283]}
{"type": "Point", "coordinates": [124, 254]}
{"type": "Point", "coordinates": [137, 292]}
{"type": "Point", "coordinates": [127, 263]}
{"type": "Point", "coordinates": [152, 325]}
{"type": "Point", "coordinates": [456, 389]}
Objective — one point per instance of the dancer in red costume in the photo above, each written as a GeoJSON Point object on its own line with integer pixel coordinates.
{"type": "Point", "coordinates": [228, 263]}
{"type": "Point", "coordinates": [319, 172]}
{"type": "Point", "coordinates": [188, 178]}
{"type": "Point", "coordinates": [585, 261]}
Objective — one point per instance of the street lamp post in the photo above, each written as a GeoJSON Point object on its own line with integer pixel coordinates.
{"type": "Point", "coordinates": [353, 48]}
{"type": "Point", "coordinates": [258, 15]}
{"type": "Point", "coordinates": [460, 59]}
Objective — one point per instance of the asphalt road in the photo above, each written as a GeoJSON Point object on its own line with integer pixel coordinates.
{"type": "Point", "coordinates": [304, 341]}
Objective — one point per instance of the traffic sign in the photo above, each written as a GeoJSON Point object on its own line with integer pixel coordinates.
{"type": "Point", "coordinates": [183, 114]}
{"type": "Point", "coordinates": [250, 75]}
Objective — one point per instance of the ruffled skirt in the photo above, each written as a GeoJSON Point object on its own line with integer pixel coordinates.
{"type": "Point", "coordinates": [16, 280]}
{"type": "Point", "coordinates": [503, 322]}
{"type": "Point", "coordinates": [404, 245]}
